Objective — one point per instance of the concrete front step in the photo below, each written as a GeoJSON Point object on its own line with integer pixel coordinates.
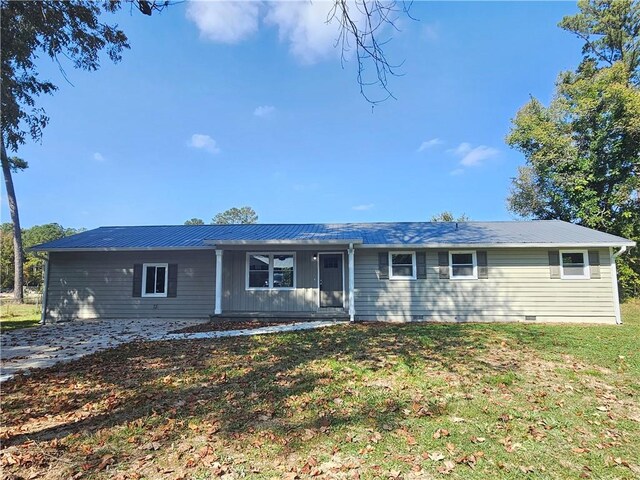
{"type": "Point", "coordinates": [337, 315]}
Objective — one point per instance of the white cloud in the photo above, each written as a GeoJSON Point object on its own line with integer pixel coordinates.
{"type": "Point", "coordinates": [473, 156]}
{"type": "Point", "coordinates": [366, 206]}
{"type": "Point", "coordinates": [457, 171]}
{"type": "Point", "coordinates": [98, 157]}
{"type": "Point", "coordinates": [204, 142]}
{"type": "Point", "coordinates": [307, 29]}
{"type": "Point", "coordinates": [303, 25]}
{"type": "Point", "coordinates": [429, 144]}
{"type": "Point", "coordinates": [264, 110]}
{"type": "Point", "coordinates": [225, 22]}
{"type": "Point", "coordinates": [461, 149]}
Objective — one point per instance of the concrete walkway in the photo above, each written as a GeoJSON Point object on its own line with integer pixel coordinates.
{"type": "Point", "coordinates": [44, 346]}
{"type": "Point", "coordinates": [289, 327]}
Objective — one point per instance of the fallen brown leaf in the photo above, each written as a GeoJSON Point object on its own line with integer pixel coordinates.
{"type": "Point", "coordinates": [441, 432]}
{"type": "Point", "coordinates": [447, 467]}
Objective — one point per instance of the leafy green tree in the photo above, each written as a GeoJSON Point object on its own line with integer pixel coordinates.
{"type": "Point", "coordinates": [583, 150]}
{"type": "Point", "coordinates": [34, 264]}
{"type": "Point", "coordinates": [69, 29]}
{"type": "Point", "coordinates": [6, 256]}
{"type": "Point", "coordinates": [236, 215]}
{"type": "Point", "coordinates": [194, 221]}
{"type": "Point", "coordinates": [33, 267]}
{"type": "Point", "coordinates": [447, 216]}
{"type": "Point", "coordinates": [610, 30]}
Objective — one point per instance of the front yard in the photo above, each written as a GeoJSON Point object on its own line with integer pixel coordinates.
{"type": "Point", "coordinates": [14, 315]}
{"type": "Point", "coordinates": [365, 401]}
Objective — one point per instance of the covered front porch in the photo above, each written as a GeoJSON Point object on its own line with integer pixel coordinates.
{"type": "Point", "coordinates": [272, 279]}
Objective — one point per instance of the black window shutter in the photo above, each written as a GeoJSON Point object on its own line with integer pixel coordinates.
{"type": "Point", "coordinates": [172, 289]}
{"type": "Point", "coordinates": [594, 263]}
{"type": "Point", "coordinates": [483, 268]}
{"type": "Point", "coordinates": [383, 265]}
{"type": "Point", "coordinates": [421, 265]}
{"type": "Point", "coordinates": [137, 280]}
{"type": "Point", "coordinates": [443, 264]}
{"type": "Point", "coordinates": [554, 264]}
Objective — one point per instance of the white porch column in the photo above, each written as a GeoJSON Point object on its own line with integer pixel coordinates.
{"type": "Point", "coordinates": [218, 308]}
{"type": "Point", "coordinates": [352, 276]}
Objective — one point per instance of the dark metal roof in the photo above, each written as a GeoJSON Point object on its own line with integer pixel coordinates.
{"type": "Point", "coordinates": [513, 234]}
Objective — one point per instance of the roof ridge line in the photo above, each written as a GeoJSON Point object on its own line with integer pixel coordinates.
{"type": "Point", "coordinates": [333, 223]}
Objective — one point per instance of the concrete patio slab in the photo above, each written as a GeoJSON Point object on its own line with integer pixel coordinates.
{"type": "Point", "coordinates": [46, 345]}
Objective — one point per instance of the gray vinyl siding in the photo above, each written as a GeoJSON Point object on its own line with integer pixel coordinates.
{"type": "Point", "coordinates": [519, 285]}
{"type": "Point", "coordinates": [100, 285]}
{"type": "Point", "coordinates": [304, 298]}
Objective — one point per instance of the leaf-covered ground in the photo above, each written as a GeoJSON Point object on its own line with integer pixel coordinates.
{"type": "Point", "coordinates": [354, 401]}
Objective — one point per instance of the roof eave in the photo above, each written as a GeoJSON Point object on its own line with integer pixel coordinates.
{"type": "Point", "coordinates": [211, 245]}
{"type": "Point", "coordinates": [115, 249]}
{"type": "Point", "coordinates": [501, 245]}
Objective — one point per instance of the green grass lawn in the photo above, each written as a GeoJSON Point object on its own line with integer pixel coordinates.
{"type": "Point", "coordinates": [413, 401]}
{"type": "Point", "coordinates": [13, 315]}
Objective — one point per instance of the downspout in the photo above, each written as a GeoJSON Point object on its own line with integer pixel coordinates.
{"type": "Point", "coordinates": [614, 282]}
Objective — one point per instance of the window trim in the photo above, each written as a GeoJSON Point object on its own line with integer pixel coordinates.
{"type": "Point", "coordinates": [271, 271]}
{"type": "Point", "coordinates": [143, 291]}
{"type": "Point", "coordinates": [586, 271]}
{"type": "Point", "coordinates": [474, 260]}
{"type": "Point", "coordinates": [414, 269]}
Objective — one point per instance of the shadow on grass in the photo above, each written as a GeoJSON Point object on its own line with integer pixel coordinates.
{"type": "Point", "coordinates": [247, 385]}
{"type": "Point", "coordinates": [6, 325]}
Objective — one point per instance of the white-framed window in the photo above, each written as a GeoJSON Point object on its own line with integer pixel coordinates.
{"type": "Point", "coordinates": [267, 271]}
{"type": "Point", "coordinates": [402, 265]}
{"type": "Point", "coordinates": [463, 265]}
{"type": "Point", "coordinates": [155, 279]}
{"type": "Point", "coordinates": [574, 264]}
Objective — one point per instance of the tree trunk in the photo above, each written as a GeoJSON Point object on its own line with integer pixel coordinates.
{"type": "Point", "coordinates": [18, 254]}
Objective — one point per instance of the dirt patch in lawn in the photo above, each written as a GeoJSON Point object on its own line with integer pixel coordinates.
{"type": "Point", "coordinates": [226, 325]}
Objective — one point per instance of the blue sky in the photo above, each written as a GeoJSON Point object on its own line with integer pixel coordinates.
{"type": "Point", "coordinates": [220, 105]}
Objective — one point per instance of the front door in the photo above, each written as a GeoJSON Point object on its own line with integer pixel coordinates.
{"type": "Point", "coordinates": [331, 282]}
